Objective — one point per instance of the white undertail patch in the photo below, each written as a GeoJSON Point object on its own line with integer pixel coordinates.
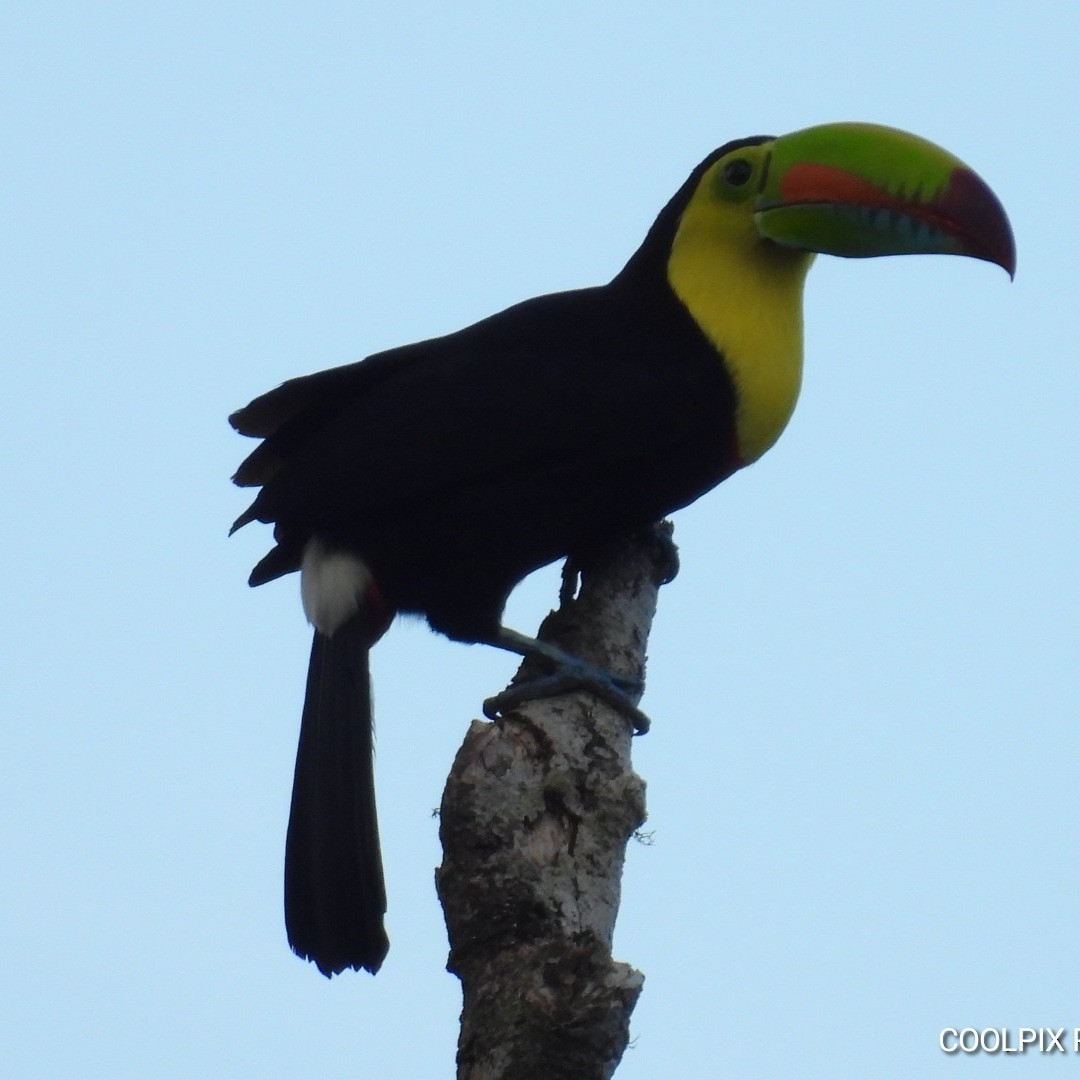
{"type": "Point", "coordinates": [333, 585]}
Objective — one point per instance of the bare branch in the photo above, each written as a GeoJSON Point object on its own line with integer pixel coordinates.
{"type": "Point", "coordinates": [536, 815]}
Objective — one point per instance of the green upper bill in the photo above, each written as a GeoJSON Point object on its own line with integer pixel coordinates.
{"type": "Point", "coordinates": [861, 190]}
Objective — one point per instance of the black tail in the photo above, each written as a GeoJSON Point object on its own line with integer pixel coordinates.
{"type": "Point", "coordinates": [335, 898]}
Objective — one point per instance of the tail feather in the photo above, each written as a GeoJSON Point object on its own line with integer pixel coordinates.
{"type": "Point", "coordinates": [335, 898]}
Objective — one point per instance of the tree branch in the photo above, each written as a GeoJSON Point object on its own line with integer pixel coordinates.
{"type": "Point", "coordinates": [535, 819]}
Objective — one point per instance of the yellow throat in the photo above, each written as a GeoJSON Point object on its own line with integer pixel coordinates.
{"type": "Point", "coordinates": [745, 294]}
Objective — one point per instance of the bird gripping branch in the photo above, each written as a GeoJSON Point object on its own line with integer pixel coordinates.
{"type": "Point", "coordinates": [432, 478]}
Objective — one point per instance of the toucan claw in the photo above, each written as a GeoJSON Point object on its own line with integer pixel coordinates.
{"type": "Point", "coordinates": [608, 688]}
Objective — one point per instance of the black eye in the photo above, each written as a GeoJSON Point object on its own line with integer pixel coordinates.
{"type": "Point", "coordinates": [737, 172]}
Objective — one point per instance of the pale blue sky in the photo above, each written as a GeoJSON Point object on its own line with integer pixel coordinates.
{"type": "Point", "coordinates": [862, 768]}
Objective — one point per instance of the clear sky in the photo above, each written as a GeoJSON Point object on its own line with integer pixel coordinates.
{"type": "Point", "coordinates": [862, 768]}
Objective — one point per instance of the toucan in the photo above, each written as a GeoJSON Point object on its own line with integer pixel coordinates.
{"type": "Point", "coordinates": [430, 479]}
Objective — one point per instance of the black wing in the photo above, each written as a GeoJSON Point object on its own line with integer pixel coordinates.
{"type": "Point", "coordinates": [555, 418]}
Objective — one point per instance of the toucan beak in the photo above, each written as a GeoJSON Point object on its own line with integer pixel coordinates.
{"type": "Point", "coordinates": [860, 190]}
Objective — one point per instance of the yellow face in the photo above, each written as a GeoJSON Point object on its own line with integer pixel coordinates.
{"type": "Point", "coordinates": [744, 292]}
{"type": "Point", "coordinates": [743, 241]}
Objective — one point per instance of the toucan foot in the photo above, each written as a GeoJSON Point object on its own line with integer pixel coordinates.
{"type": "Point", "coordinates": [570, 674]}
{"type": "Point", "coordinates": [668, 551]}
{"type": "Point", "coordinates": [565, 682]}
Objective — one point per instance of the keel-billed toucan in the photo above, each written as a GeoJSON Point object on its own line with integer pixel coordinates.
{"type": "Point", "coordinates": [432, 478]}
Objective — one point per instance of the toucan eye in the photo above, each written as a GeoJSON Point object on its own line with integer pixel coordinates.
{"type": "Point", "coordinates": [737, 172]}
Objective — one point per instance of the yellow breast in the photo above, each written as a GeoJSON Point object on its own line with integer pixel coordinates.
{"type": "Point", "coordinates": [746, 296]}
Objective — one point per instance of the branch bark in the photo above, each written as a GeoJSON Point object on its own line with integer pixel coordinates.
{"type": "Point", "coordinates": [535, 819]}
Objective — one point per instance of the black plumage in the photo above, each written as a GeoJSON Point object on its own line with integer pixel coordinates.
{"type": "Point", "coordinates": [452, 468]}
